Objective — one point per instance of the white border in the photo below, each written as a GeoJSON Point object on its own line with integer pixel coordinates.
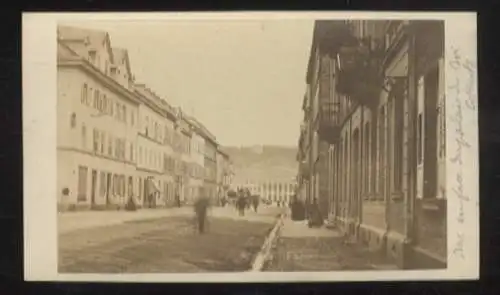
{"type": "Point", "coordinates": [39, 128]}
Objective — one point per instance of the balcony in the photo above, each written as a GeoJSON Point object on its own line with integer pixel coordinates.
{"type": "Point", "coordinates": [332, 35]}
{"type": "Point", "coordinates": [329, 127]}
{"type": "Point", "coordinates": [359, 73]}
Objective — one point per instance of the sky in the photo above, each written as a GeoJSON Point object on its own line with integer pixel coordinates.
{"type": "Point", "coordinates": [244, 80]}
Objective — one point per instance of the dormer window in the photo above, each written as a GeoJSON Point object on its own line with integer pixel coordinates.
{"type": "Point", "coordinates": [92, 56]}
{"type": "Point", "coordinates": [113, 70]}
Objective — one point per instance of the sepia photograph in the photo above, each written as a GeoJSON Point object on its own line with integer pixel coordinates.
{"type": "Point", "coordinates": [254, 145]}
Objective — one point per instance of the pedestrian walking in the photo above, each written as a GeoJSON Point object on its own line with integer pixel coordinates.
{"type": "Point", "coordinates": [178, 200]}
{"type": "Point", "coordinates": [255, 202]}
{"type": "Point", "coordinates": [241, 203]}
{"type": "Point", "coordinates": [200, 209]}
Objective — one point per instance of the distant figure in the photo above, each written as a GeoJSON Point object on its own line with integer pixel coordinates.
{"type": "Point", "coordinates": [255, 202]}
{"type": "Point", "coordinates": [241, 203]}
{"type": "Point", "coordinates": [315, 219]}
{"type": "Point", "coordinates": [178, 200]}
{"type": "Point", "coordinates": [200, 209]}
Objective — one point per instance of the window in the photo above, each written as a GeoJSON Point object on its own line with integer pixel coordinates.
{"type": "Point", "coordinates": [132, 118]}
{"type": "Point", "coordinates": [73, 120]}
{"type": "Point", "coordinates": [146, 125]}
{"type": "Point", "coordinates": [92, 56]}
{"type": "Point", "coordinates": [82, 184]}
{"type": "Point", "coordinates": [131, 152]}
{"type": "Point", "coordinates": [110, 146]}
{"type": "Point", "coordinates": [84, 98]}
{"type": "Point", "coordinates": [96, 140]}
{"type": "Point", "coordinates": [140, 154]}
{"type": "Point", "coordinates": [84, 136]}
{"type": "Point", "coordinates": [118, 111]}
{"type": "Point", "coordinates": [105, 104]}
{"type": "Point", "coordinates": [111, 108]}
{"type": "Point", "coordinates": [96, 98]}
{"type": "Point", "coordinates": [130, 186]}
{"type": "Point", "coordinates": [102, 142]}
{"type": "Point", "coordinates": [117, 148]}
{"type": "Point", "coordinates": [124, 113]}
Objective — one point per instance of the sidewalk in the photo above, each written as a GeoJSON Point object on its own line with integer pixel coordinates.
{"type": "Point", "coordinates": [300, 248]}
{"type": "Point", "coordinates": [70, 221]}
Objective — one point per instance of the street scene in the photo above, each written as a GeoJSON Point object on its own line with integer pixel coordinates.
{"type": "Point", "coordinates": [258, 145]}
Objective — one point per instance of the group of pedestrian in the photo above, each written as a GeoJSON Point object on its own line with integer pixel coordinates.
{"type": "Point", "coordinates": [245, 200]}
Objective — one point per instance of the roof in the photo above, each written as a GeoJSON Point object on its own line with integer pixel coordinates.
{"type": "Point", "coordinates": [201, 129]}
{"type": "Point", "coordinates": [120, 54]}
{"type": "Point", "coordinates": [83, 40]}
{"type": "Point", "coordinates": [155, 99]}
{"type": "Point", "coordinates": [221, 151]}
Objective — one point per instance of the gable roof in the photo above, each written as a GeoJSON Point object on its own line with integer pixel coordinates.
{"type": "Point", "coordinates": [120, 54]}
{"type": "Point", "coordinates": [65, 52]}
{"type": "Point", "coordinates": [83, 40]}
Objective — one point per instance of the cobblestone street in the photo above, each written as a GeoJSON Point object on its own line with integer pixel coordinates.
{"type": "Point", "coordinates": [166, 244]}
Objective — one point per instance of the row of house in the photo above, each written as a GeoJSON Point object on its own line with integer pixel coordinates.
{"type": "Point", "coordinates": [117, 140]}
{"type": "Point", "coordinates": [372, 142]}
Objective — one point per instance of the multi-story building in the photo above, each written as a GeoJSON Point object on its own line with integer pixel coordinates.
{"type": "Point", "coordinates": [197, 159]}
{"type": "Point", "coordinates": [156, 182]}
{"type": "Point", "coordinates": [97, 121]}
{"type": "Point", "coordinates": [210, 164]}
{"type": "Point", "coordinates": [223, 173]}
{"type": "Point", "coordinates": [182, 139]}
{"type": "Point", "coordinates": [380, 109]}
{"type": "Point", "coordinates": [208, 146]}
{"type": "Point", "coordinates": [118, 140]}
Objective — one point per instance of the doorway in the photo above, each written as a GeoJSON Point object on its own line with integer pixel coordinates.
{"type": "Point", "coordinates": [108, 187]}
{"type": "Point", "coordinates": [93, 188]}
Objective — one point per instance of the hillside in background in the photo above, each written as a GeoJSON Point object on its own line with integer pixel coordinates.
{"type": "Point", "coordinates": [263, 163]}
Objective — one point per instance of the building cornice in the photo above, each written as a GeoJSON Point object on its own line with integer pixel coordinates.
{"type": "Point", "coordinates": [154, 106]}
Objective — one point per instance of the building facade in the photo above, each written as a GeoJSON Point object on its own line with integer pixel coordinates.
{"type": "Point", "coordinates": [223, 173]}
{"type": "Point", "coordinates": [156, 182]}
{"type": "Point", "coordinates": [275, 192]}
{"type": "Point", "coordinates": [95, 133]}
{"type": "Point", "coordinates": [376, 98]}
{"type": "Point", "coordinates": [118, 141]}
{"type": "Point", "coordinates": [197, 160]}
{"type": "Point", "coordinates": [210, 186]}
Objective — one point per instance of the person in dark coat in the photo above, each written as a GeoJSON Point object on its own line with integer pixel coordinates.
{"type": "Point", "coordinates": [200, 208]}
{"type": "Point", "coordinates": [241, 203]}
{"type": "Point", "coordinates": [315, 217]}
{"type": "Point", "coordinates": [255, 202]}
{"type": "Point", "coordinates": [178, 200]}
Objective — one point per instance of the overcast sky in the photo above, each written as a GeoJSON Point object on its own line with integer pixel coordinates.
{"type": "Point", "coordinates": [244, 80]}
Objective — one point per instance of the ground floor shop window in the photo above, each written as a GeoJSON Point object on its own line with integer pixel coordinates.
{"type": "Point", "coordinates": [82, 183]}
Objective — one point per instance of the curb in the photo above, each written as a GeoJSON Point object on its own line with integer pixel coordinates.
{"type": "Point", "coordinates": [265, 250]}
